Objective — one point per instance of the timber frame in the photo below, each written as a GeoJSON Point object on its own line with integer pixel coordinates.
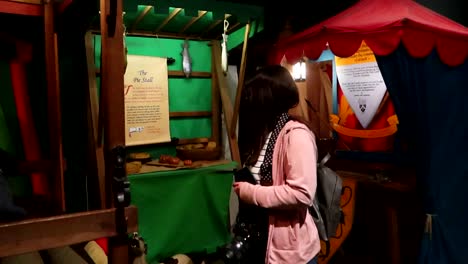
{"type": "Point", "coordinates": [117, 219]}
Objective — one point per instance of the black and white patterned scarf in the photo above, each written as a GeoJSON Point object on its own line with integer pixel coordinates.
{"type": "Point", "coordinates": [267, 165]}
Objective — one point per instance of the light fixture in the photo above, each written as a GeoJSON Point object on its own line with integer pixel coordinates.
{"type": "Point", "coordinates": [299, 71]}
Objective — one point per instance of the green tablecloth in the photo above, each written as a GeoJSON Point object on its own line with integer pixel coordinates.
{"type": "Point", "coordinates": [183, 211]}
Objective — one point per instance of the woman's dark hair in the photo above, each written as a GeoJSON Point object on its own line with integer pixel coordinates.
{"type": "Point", "coordinates": [270, 93]}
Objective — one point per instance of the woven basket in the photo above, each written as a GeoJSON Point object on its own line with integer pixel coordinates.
{"type": "Point", "coordinates": [199, 154]}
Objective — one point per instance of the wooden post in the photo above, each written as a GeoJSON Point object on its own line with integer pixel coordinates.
{"type": "Point", "coordinates": [96, 152]}
{"type": "Point", "coordinates": [54, 109]}
{"type": "Point", "coordinates": [240, 83]}
{"type": "Point", "coordinates": [225, 100]}
{"type": "Point", "coordinates": [215, 107]}
{"type": "Point", "coordinates": [112, 83]}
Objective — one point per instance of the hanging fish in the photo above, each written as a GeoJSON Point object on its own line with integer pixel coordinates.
{"type": "Point", "coordinates": [186, 60]}
{"type": "Point", "coordinates": [224, 62]}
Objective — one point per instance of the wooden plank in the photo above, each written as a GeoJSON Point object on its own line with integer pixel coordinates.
{"type": "Point", "coordinates": [96, 150]}
{"type": "Point", "coordinates": [190, 114]}
{"type": "Point", "coordinates": [169, 35]}
{"type": "Point", "coordinates": [213, 25]}
{"type": "Point", "coordinates": [176, 74]}
{"type": "Point", "coordinates": [54, 107]}
{"type": "Point", "coordinates": [193, 74]}
{"type": "Point", "coordinates": [168, 19]}
{"type": "Point", "coordinates": [44, 233]}
{"type": "Point", "coordinates": [140, 17]}
{"type": "Point", "coordinates": [215, 107]}
{"type": "Point", "coordinates": [240, 83]}
{"type": "Point", "coordinates": [193, 21]}
{"type": "Point", "coordinates": [18, 8]}
{"type": "Point", "coordinates": [112, 81]}
{"type": "Point", "coordinates": [33, 2]}
{"type": "Point", "coordinates": [113, 109]}
{"type": "Point", "coordinates": [233, 27]}
{"type": "Point", "coordinates": [225, 100]}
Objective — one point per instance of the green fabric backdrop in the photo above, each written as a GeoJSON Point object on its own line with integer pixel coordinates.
{"type": "Point", "coordinates": [185, 94]}
{"type": "Point", "coordinates": [183, 211]}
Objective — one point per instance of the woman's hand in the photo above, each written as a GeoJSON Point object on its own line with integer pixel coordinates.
{"type": "Point", "coordinates": [236, 186]}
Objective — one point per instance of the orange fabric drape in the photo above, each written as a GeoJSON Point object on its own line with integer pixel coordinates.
{"type": "Point", "coordinates": [384, 123]}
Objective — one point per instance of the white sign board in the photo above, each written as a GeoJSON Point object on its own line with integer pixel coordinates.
{"type": "Point", "coordinates": [362, 83]}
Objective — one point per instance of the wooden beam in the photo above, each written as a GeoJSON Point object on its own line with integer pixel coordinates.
{"type": "Point", "coordinates": [233, 27]}
{"type": "Point", "coordinates": [225, 100]}
{"type": "Point", "coordinates": [19, 8]}
{"type": "Point", "coordinates": [240, 83]}
{"type": "Point", "coordinates": [140, 17]}
{"type": "Point", "coordinates": [193, 21]}
{"type": "Point", "coordinates": [193, 74]}
{"type": "Point", "coordinates": [190, 114]}
{"type": "Point", "coordinates": [148, 34]}
{"type": "Point", "coordinates": [54, 106]}
{"type": "Point", "coordinates": [215, 107]}
{"type": "Point", "coordinates": [112, 81]}
{"type": "Point", "coordinates": [168, 19]}
{"type": "Point", "coordinates": [211, 27]}
{"type": "Point", "coordinates": [44, 233]}
{"type": "Point", "coordinates": [244, 11]}
{"type": "Point", "coordinates": [32, 2]}
{"type": "Point", "coordinates": [95, 148]}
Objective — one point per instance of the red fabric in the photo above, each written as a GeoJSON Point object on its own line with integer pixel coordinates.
{"type": "Point", "coordinates": [102, 242]}
{"type": "Point", "coordinates": [383, 24]}
{"type": "Point", "coordinates": [26, 123]}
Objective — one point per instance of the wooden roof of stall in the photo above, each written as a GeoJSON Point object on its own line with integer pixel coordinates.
{"type": "Point", "coordinates": [185, 18]}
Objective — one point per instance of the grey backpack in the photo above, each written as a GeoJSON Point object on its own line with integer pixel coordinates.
{"type": "Point", "coordinates": [326, 209]}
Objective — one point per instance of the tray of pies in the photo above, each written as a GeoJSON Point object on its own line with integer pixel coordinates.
{"type": "Point", "coordinates": [199, 151]}
{"type": "Point", "coordinates": [171, 162]}
{"type": "Point", "coordinates": [142, 157]}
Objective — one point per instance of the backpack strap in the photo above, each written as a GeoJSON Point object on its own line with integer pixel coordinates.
{"type": "Point", "coordinates": [325, 159]}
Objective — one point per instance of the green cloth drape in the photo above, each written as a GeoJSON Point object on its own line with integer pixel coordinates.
{"type": "Point", "coordinates": [183, 211]}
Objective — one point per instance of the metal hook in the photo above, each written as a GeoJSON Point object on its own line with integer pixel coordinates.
{"type": "Point", "coordinates": [226, 25]}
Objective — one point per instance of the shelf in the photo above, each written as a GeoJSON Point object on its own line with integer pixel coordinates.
{"type": "Point", "coordinates": [50, 232]}
{"type": "Point", "coordinates": [190, 114]}
{"type": "Point", "coordinates": [192, 75]}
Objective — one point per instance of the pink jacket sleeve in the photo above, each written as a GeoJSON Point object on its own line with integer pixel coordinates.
{"type": "Point", "coordinates": [300, 166]}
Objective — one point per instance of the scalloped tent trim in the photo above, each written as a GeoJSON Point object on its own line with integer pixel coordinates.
{"type": "Point", "coordinates": [383, 25]}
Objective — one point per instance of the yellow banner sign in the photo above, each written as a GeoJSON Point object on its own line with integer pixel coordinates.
{"type": "Point", "coordinates": [146, 101]}
{"type": "Point", "coordinates": [363, 55]}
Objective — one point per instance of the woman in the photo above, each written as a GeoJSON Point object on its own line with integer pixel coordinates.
{"type": "Point", "coordinates": [282, 155]}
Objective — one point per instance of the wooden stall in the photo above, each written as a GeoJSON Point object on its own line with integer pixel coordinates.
{"type": "Point", "coordinates": [52, 225]}
{"type": "Point", "coordinates": [198, 101]}
{"type": "Point", "coordinates": [56, 227]}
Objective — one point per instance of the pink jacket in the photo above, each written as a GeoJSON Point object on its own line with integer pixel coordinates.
{"type": "Point", "coordinates": [292, 237]}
